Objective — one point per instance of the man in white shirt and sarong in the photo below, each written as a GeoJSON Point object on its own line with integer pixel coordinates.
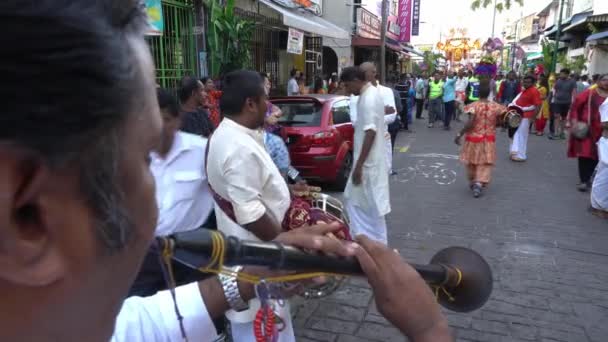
{"type": "Point", "coordinates": [367, 192]}
{"type": "Point", "coordinates": [78, 204]}
{"type": "Point", "coordinates": [247, 181]}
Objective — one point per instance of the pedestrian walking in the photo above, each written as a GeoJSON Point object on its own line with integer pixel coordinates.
{"type": "Point", "coordinates": [420, 95]}
{"type": "Point", "coordinates": [562, 97]}
{"type": "Point", "coordinates": [585, 112]}
{"type": "Point", "coordinates": [195, 118]}
{"type": "Point", "coordinates": [508, 89]}
{"type": "Point", "coordinates": [435, 96]}
{"type": "Point", "coordinates": [293, 88]}
{"type": "Point", "coordinates": [478, 152]}
{"type": "Point", "coordinates": [460, 88]}
{"type": "Point", "coordinates": [544, 113]}
{"type": "Point", "coordinates": [529, 101]}
{"type": "Point", "coordinates": [599, 190]}
{"type": "Point", "coordinates": [367, 192]}
{"type": "Point", "coordinates": [403, 87]}
{"type": "Point", "coordinates": [449, 99]}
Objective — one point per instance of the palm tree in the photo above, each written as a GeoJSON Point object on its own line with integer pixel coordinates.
{"type": "Point", "coordinates": [499, 5]}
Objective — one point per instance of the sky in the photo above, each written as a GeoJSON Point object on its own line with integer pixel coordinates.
{"type": "Point", "coordinates": [440, 15]}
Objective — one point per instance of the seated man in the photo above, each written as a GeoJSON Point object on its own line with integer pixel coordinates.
{"type": "Point", "coordinates": [77, 208]}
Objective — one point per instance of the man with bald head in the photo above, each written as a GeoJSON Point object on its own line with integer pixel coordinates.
{"type": "Point", "coordinates": [367, 191]}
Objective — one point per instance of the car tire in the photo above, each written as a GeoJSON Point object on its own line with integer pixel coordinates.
{"type": "Point", "coordinates": [344, 172]}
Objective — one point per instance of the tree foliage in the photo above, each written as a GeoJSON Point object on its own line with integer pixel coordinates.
{"type": "Point", "coordinates": [501, 5]}
{"type": "Point", "coordinates": [229, 38]}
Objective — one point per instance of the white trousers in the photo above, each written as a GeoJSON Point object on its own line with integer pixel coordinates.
{"type": "Point", "coordinates": [389, 152]}
{"type": "Point", "coordinates": [367, 222]}
{"type": "Point", "coordinates": [599, 190]}
{"type": "Point", "coordinates": [519, 146]}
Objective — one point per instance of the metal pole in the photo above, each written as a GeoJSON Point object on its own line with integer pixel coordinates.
{"type": "Point", "coordinates": [494, 19]}
{"type": "Point", "coordinates": [383, 41]}
{"type": "Point", "coordinates": [558, 33]}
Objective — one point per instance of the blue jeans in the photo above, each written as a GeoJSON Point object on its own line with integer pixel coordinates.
{"type": "Point", "coordinates": [435, 110]}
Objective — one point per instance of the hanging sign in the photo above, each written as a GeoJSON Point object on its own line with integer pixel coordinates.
{"type": "Point", "coordinates": [416, 18]}
{"type": "Point", "coordinates": [295, 41]}
{"type": "Point", "coordinates": [405, 20]}
{"type": "Point", "coordinates": [154, 9]}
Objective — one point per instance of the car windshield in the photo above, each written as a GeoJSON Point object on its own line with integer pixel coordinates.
{"type": "Point", "coordinates": [300, 114]}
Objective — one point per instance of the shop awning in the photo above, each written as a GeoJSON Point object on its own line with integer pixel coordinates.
{"type": "Point", "coordinates": [598, 36]}
{"type": "Point", "coordinates": [308, 22]}
{"type": "Point", "coordinates": [534, 56]}
{"type": "Point", "coordinates": [370, 42]}
{"type": "Point", "coordinates": [578, 20]}
{"type": "Point", "coordinates": [600, 18]}
{"type": "Point", "coordinates": [413, 51]}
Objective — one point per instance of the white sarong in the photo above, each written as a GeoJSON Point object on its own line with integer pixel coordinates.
{"type": "Point", "coordinates": [389, 152]}
{"type": "Point", "coordinates": [367, 222]}
{"type": "Point", "coordinates": [519, 146]}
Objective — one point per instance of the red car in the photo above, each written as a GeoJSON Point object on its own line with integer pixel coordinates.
{"type": "Point", "coordinates": [319, 135]}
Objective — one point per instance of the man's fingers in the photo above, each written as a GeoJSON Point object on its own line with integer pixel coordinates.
{"type": "Point", "coordinates": [319, 243]}
{"type": "Point", "coordinates": [368, 265]}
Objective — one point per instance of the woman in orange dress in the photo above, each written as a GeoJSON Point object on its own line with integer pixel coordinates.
{"type": "Point", "coordinates": [479, 150]}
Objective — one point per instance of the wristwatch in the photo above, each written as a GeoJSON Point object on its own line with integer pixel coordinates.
{"type": "Point", "coordinates": [231, 291]}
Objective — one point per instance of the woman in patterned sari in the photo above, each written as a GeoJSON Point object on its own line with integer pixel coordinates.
{"type": "Point", "coordinates": [479, 150]}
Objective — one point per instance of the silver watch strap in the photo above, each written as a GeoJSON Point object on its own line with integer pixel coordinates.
{"type": "Point", "coordinates": [231, 291]}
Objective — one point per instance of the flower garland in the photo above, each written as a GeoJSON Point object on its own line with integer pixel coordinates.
{"type": "Point", "coordinates": [486, 66]}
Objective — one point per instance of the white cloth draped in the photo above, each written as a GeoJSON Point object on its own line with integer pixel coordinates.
{"type": "Point", "coordinates": [519, 146]}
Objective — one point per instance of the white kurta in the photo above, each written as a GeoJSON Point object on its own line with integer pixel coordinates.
{"type": "Point", "coordinates": [153, 319]}
{"type": "Point", "coordinates": [388, 98]}
{"type": "Point", "coordinates": [599, 189]}
{"type": "Point", "coordinates": [369, 202]}
{"type": "Point", "coordinates": [241, 171]}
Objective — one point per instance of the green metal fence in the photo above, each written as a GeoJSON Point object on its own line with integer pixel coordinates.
{"type": "Point", "coordinates": [174, 52]}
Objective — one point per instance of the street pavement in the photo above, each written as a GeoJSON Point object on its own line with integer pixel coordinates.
{"type": "Point", "coordinates": [549, 256]}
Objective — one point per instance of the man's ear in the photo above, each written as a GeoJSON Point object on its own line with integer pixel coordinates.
{"type": "Point", "coordinates": [28, 255]}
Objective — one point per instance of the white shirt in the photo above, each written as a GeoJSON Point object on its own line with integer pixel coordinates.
{"type": "Point", "coordinates": [374, 190]}
{"type": "Point", "coordinates": [242, 172]}
{"type": "Point", "coordinates": [388, 97]}
{"type": "Point", "coordinates": [461, 84]}
{"type": "Point", "coordinates": [354, 100]}
{"type": "Point", "coordinates": [182, 194]}
{"type": "Point", "coordinates": [603, 142]}
{"type": "Point", "coordinates": [292, 87]}
{"type": "Point", "coordinates": [152, 319]}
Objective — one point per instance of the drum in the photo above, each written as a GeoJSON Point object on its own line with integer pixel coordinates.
{"type": "Point", "coordinates": [512, 118]}
{"type": "Point", "coordinates": [309, 208]}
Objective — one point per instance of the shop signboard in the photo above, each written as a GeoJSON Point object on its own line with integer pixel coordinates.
{"type": "Point", "coordinates": [368, 25]}
{"type": "Point", "coordinates": [405, 20]}
{"type": "Point", "coordinates": [415, 17]}
{"type": "Point", "coordinates": [295, 41]}
{"type": "Point", "coordinates": [313, 6]}
{"type": "Point", "coordinates": [154, 9]}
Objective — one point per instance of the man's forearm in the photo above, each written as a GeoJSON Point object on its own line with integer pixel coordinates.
{"type": "Point", "coordinates": [215, 299]}
{"type": "Point", "coordinates": [265, 228]}
{"type": "Point", "coordinates": [368, 142]}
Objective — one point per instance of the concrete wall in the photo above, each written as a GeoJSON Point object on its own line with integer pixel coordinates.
{"type": "Point", "coordinates": [340, 13]}
{"type": "Point", "coordinates": [599, 60]}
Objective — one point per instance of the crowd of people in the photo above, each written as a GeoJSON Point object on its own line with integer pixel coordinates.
{"type": "Point", "coordinates": [91, 174]}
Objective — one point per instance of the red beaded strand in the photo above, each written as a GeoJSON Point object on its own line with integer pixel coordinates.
{"type": "Point", "coordinates": [266, 317]}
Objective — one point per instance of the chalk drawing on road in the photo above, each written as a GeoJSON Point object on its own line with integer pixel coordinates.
{"type": "Point", "coordinates": [437, 172]}
{"type": "Point", "coordinates": [434, 155]}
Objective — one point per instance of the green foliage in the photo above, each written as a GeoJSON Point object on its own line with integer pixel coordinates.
{"type": "Point", "coordinates": [547, 49]}
{"type": "Point", "coordinates": [500, 5]}
{"type": "Point", "coordinates": [229, 38]}
{"type": "Point", "coordinates": [576, 64]}
{"type": "Point", "coordinates": [431, 60]}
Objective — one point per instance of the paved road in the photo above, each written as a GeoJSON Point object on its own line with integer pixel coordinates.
{"type": "Point", "coordinates": [548, 255]}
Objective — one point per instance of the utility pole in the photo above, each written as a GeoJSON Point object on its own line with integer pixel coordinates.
{"type": "Point", "coordinates": [494, 20]}
{"type": "Point", "coordinates": [558, 33]}
{"type": "Point", "coordinates": [383, 41]}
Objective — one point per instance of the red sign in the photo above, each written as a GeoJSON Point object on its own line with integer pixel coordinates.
{"type": "Point", "coordinates": [405, 20]}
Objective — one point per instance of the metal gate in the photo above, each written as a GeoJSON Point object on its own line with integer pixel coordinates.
{"type": "Point", "coordinates": [174, 52]}
{"type": "Point", "coordinates": [314, 58]}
